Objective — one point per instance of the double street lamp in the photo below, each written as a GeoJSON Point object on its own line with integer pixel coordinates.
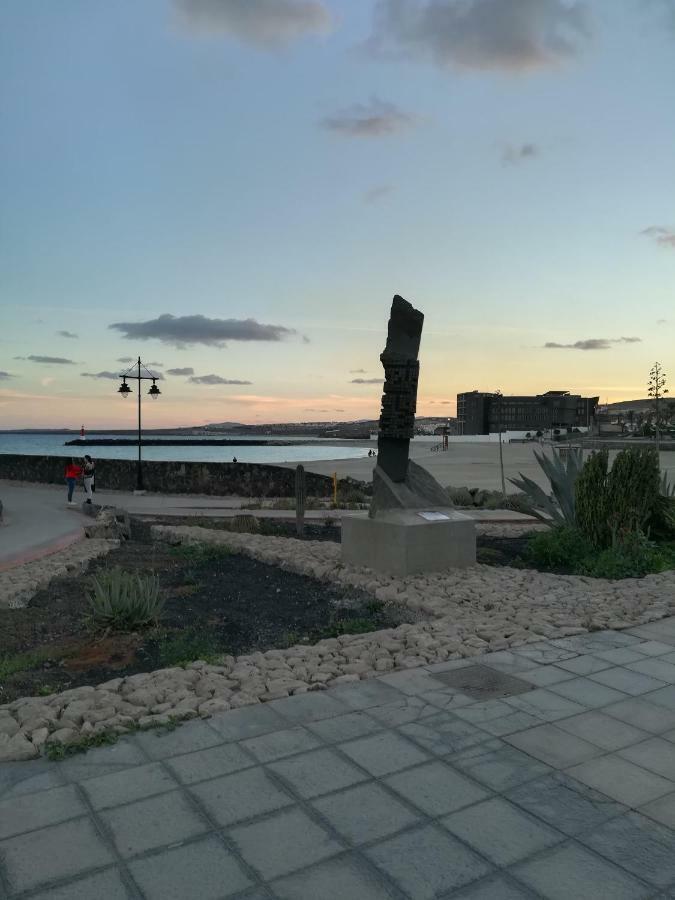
{"type": "Point", "coordinates": [134, 374]}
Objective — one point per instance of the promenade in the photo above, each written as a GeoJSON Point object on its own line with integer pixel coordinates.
{"type": "Point", "coordinates": [560, 784]}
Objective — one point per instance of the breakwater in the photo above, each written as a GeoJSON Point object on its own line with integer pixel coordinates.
{"type": "Point", "coordinates": [250, 480]}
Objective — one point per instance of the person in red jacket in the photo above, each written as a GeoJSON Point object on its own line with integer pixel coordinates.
{"type": "Point", "coordinates": [73, 472]}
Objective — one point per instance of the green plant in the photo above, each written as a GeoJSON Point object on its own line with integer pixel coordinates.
{"type": "Point", "coordinates": [591, 499]}
{"type": "Point", "coordinates": [245, 524]}
{"type": "Point", "coordinates": [632, 492]}
{"type": "Point", "coordinates": [200, 553]}
{"type": "Point", "coordinates": [183, 647]}
{"type": "Point", "coordinates": [31, 659]}
{"type": "Point", "coordinates": [58, 752]}
{"type": "Point", "coordinates": [558, 506]}
{"type": "Point", "coordinates": [558, 549]}
{"type": "Point", "coordinates": [123, 601]}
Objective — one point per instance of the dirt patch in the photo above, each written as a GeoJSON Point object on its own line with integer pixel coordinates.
{"type": "Point", "coordinates": [216, 603]}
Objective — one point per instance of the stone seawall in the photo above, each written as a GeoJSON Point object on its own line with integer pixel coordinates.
{"type": "Point", "coordinates": [222, 479]}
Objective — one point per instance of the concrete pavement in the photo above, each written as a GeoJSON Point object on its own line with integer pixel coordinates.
{"type": "Point", "coordinates": [557, 784]}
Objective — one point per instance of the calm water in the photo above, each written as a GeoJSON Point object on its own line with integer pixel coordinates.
{"type": "Point", "coordinates": [53, 445]}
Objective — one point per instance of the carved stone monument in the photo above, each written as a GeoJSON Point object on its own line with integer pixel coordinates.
{"type": "Point", "coordinates": [411, 526]}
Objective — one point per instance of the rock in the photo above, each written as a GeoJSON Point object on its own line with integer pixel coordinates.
{"type": "Point", "coordinates": [242, 699]}
{"type": "Point", "coordinates": [345, 679]}
{"type": "Point", "coordinates": [16, 748]}
{"type": "Point", "coordinates": [8, 726]}
{"type": "Point", "coordinates": [63, 736]}
{"type": "Point", "coordinates": [39, 737]}
{"type": "Point", "coordinates": [150, 721]}
{"type": "Point", "coordinates": [142, 697]}
{"type": "Point", "coordinates": [211, 707]}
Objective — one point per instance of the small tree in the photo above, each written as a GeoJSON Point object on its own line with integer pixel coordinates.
{"type": "Point", "coordinates": [656, 388]}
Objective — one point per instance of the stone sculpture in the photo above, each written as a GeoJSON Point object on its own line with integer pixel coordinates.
{"type": "Point", "coordinates": [399, 483]}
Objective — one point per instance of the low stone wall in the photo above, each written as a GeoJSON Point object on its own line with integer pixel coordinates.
{"type": "Point", "coordinates": [222, 479]}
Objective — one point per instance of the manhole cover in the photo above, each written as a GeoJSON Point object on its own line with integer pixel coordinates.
{"type": "Point", "coordinates": [482, 683]}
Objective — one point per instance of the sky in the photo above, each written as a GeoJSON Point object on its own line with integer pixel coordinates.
{"type": "Point", "coordinates": [235, 189]}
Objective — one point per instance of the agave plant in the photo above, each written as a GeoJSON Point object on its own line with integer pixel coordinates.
{"type": "Point", "coordinates": [557, 506]}
{"type": "Point", "coordinates": [124, 600]}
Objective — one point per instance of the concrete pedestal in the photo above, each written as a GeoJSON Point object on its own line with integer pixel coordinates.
{"type": "Point", "coordinates": [402, 542]}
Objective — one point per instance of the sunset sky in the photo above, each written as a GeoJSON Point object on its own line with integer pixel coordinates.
{"type": "Point", "coordinates": [235, 189]}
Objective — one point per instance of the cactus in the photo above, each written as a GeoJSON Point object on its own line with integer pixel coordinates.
{"type": "Point", "coordinates": [300, 497]}
{"type": "Point", "coordinates": [124, 601]}
{"type": "Point", "coordinates": [632, 492]}
{"type": "Point", "coordinates": [591, 500]}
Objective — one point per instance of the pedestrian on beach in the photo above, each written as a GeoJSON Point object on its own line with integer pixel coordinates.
{"type": "Point", "coordinates": [88, 476]}
{"type": "Point", "coordinates": [73, 473]}
{"type": "Point", "coordinates": [234, 459]}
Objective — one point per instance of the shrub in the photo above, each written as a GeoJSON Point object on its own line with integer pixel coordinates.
{"type": "Point", "coordinates": [559, 549]}
{"type": "Point", "coordinates": [591, 500]}
{"type": "Point", "coordinates": [569, 550]}
{"type": "Point", "coordinates": [245, 524]}
{"type": "Point", "coordinates": [632, 491]}
{"type": "Point", "coordinates": [559, 505]}
{"type": "Point", "coordinates": [123, 601]}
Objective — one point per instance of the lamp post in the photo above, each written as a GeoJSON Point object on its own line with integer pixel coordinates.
{"type": "Point", "coordinates": [124, 390]}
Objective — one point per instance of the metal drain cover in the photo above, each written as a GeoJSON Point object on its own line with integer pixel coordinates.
{"type": "Point", "coordinates": [483, 683]}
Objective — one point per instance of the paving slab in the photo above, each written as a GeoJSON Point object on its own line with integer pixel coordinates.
{"type": "Point", "coordinates": [318, 772]}
{"type": "Point", "coordinates": [498, 766]}
{"type": "Point", "coordinates": [637, 844]}
{"type": "Point", "coordinates": [602, 730]}
{"type": "Point", "coordinates": [32, 811]}
{"type": "Point", "coordinates": [501, 831]}
{"type": "Point", "coordinates": [365, 813]}
{"type": "Point", "coordinates": [565, 803]}
{"type": "Point", "coordinates": [428, 862]}
{"type": "Point", "coordinates": [621, 780]}
{"type": "Point", "coordinates": [384, 753]}
{"type": "Point", "coordinates": [436, 788]}
{"type": "Point", "coordinates": [203, 869]}
{"type": "Point", "coordinates": [240, 796]}
{"type": "Point", "coordinates": [574, 872]}
{"type": "Point", "coordinates": [336, 879]}
{"type": "Point", "coordinates": [106, 885]}
{"type": "Point", "coordinates": [553, 746]}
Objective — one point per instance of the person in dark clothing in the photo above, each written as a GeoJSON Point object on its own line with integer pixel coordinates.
{"type": "Point", "coordinates": [88, 477]}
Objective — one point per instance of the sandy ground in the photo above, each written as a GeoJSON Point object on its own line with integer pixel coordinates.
{"type": "Point", "coordinates": [464, 464]}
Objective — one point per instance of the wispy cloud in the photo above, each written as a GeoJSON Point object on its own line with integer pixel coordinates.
{"type": "Point", "coordinates": [125, 359]}
{"type": "Point", "coordinates": [592, 343]}
{"type": "Point", "coordinates": [262, 23]}
{"type": "Point", "coordinates": [182, 331]}
{"type": "Point", "coordinates": [357, 371]}
{"type": "Point", "coordinates": [48, 360]}
{"type": "Point", "coordinates": [215, 379]}
{"type": "Point", "coordinates": [374, 119]}
{"type": "Point", "coordinates": [512, 154]}
{"type": "Point", "coordinates": [662, 321]}
{"type": "Point", "coordinates": [366, 381]}
{"type": "Point", "coordinates": [377, 193]}
{"type": "Point", "coordinates": [186, 371]}
{"type": "Point", "coordinates": [664, 237]}
{"type": "Point", "coordinates": [507, 35]}
{"type": "Point", "coordinates": [5, 375]}
{"type": "Point", "coordinates": [113, 376]}
{"type": "Point", "coordinates": [68, 334]}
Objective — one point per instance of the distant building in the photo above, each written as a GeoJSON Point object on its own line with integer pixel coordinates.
{"type": "Point", "coordinates": [482, 413]}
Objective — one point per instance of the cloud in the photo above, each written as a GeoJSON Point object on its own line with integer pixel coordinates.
{"type": "Point", "coordinates": [215, 379]}
{"type": "Point", "coordinates": [155, 364]}
{"type": "Point", "coordinates": [592, 343]}
{"type": "Point", "coordinates": [126, 359]}
{"type": "Point", "coordinates": [308, 409]}
{"type": "Point", "coordinates": [662, 321]}
{"type": "Point", "coordinates": [377, 193]}
{"type": "Point", "coordinates": [664, 237]}
{"type": "Point", "coordinates": [507, 35]}
{"type": "Point", "coordinates": [186, 371]}
{"type": "Point", "coordinates": [68, 334]}
{"type": "Point", "coordinates": [372, 120]}
{"type": "Point", "coordinates": [113, 376]}
{"type": "Point", "coordinates": [182, 331]}
{"type": "Point", "coordinates": [512, 155]}
{"type": "Point", "coordinates": [45, 382]}
{"type": "Point", "coordinates": [262, 23]}
{"type": "Point", "coordinates": [357, 371]}
{"type": "Point", "coordinates": [366, 381]}
{"type": "Point", "coordinates": [4, 375]}
{"type": "Point", "coordinates": [49, 360]}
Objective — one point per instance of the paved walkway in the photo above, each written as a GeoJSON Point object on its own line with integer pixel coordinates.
{"type": "Point", "coordinates": [404, 786]}
{"type": "Point", "coordinates": [38, 520]}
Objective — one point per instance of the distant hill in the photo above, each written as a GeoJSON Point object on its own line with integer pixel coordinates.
{"type": "Point", "coordinates": [636, 405]}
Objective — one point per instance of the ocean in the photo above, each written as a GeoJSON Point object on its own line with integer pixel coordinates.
{"type": "Point", "coordinates": [309, 449]}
